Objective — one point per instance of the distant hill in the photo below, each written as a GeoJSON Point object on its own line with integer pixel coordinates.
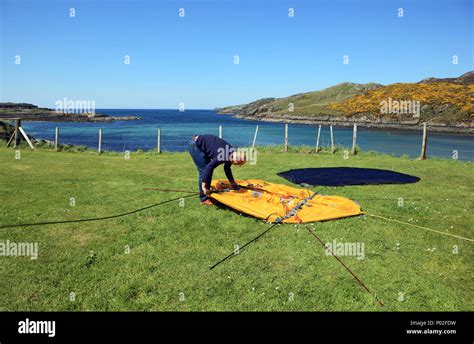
{"type": "Point", "coordinates": [465, 79]}
{"type": "Point", "coordinates": [446, 104]}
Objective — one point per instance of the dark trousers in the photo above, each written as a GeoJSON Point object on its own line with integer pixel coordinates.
{"type": "Point", "coordinates": [201, 161]}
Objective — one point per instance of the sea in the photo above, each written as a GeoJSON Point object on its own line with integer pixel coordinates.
{"type": "Point", "coordinates": [178, 127]}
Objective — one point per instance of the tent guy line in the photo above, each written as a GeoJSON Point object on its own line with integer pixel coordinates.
{"type": "Point", "coordinates": [97, 218]}
{"type": "Point", "coordinates": [362, 284]}
{"type": "Point", "coordinates": [421, 227]}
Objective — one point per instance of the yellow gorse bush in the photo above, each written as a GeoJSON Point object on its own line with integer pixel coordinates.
{"type": "Point", "coordinates": [431, 93]}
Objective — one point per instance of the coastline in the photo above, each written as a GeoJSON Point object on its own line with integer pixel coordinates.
{"type": "Point", "coordinates": [329, 120]}
{"type": "Point", "coordinates": [63, 117]}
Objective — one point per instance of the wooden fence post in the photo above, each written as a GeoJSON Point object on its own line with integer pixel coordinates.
{"type": "Point", "coordinates": [255, 138]}
{"type": "Point", "coordinates": [423, 143]}
{"type": "Point", "coordinates": [317, 139]}
{"type": "Point", "coordinates": [286, 137]}
{"type": "Point", "coordinates": [332, 139]}
{"type": "Point", "coordinates": [56, 138]}
{"type": "Point", "coordinates": [16, 135]}
{"type": "Point", "coordinates": [158, 142]}
{"type": "Point", "coordinates": [354, 140]}
{"type": "Point", "coordinates": [220, 131]}
{"type": "Point", "coordinates": [99, 148]}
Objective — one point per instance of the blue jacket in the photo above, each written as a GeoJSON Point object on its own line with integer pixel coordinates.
{"type": "Point", "coordinates": [217, 151]}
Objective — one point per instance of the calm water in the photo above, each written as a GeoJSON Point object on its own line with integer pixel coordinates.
{"type": "Point", "coordinates": [177, 128]}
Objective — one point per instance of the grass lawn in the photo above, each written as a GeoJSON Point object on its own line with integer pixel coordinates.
{"type": "Point", "coordinates": [172, 246]}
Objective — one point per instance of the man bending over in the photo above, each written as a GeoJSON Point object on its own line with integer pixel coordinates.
{"type": "Point", "coordinates": [208, 152]}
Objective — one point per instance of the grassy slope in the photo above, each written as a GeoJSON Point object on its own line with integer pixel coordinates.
{"type": "Point", "coordinates": [310, 103]}
{"type": "Point", "coordinates": [314, 103]}
{"type": "Point", "coordinates": [172, 247]}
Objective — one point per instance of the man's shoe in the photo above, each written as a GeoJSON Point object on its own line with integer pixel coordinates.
{"type": "Point", "coordinates": [206, 202]}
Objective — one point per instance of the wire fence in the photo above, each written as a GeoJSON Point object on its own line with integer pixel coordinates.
{"type": "Point", "coordinates": [172, 138]}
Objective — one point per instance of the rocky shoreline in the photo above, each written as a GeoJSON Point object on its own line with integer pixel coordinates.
{"type": "Point", "coordinates": [380, 125]}
{"type": "Point", "coordinates": [61, 117]}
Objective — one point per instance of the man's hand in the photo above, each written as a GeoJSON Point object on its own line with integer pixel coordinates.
{"type": "Point", "coordinates": [234, 185]}
{"type": "Point", "coordinates": [205, 190]}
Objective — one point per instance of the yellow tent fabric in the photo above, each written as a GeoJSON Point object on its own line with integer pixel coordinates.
{"type": "Point", "coordinates": [269, 201]}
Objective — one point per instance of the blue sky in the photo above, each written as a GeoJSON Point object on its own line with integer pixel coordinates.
{"type": "Point", "coordinates": [191, 59]}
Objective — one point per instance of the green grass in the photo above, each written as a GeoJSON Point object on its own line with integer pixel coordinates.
{"type": "Point", "coordinates": [172, 247]}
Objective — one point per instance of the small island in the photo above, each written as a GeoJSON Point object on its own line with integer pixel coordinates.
{"type": "Point", "coordinates": [30, 112]}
